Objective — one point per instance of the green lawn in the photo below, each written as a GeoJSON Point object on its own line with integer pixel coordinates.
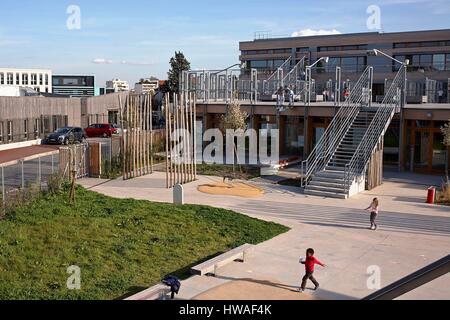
{"type": "Point", "coordinates": [121, 246]}
{"type": "Point", "coordinates": [217, 170]}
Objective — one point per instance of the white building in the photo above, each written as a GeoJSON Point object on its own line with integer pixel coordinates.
{"type": "Point", "coordinates": [147, 86]}
{"type": "Point", "coordinates": [11, 80]}
{"type": "Point", "coordinates": [118, 85]}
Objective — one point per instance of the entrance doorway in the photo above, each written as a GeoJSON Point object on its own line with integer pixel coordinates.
{"type": "Point", "coordinates": [428, 152]}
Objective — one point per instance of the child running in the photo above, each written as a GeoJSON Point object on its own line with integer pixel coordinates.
{"type": "Point", "coordinates": [374, 210]}
{"type": "Point", "coordinates": [310, 263]}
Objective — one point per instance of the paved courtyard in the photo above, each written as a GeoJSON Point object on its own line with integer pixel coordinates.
{"type": "Point", "coordinates": [412, 234]}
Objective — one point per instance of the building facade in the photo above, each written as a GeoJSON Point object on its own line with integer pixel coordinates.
{"type": "Point", "coordinates": [117, 85]}
{"type": "Point", "coordinates": [413, 141]}
{"type": "Point", "coordinates": [147, 86]}
{"type": "Point", "coordinates": [428, 53]}
{"type": "Point", "coordinates": [76, 86]}
{"type": "Point", "coordinates": [12, 80]}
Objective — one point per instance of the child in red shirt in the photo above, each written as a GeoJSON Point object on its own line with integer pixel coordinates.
{"type": "Point", "coordinates": [310, 263]}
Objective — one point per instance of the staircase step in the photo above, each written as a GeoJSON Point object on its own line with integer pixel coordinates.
{"type": "Point", "coordinates": [326, 184]}
{"type": "Point", "coordinates": [327, 188]}
{"type": "Point", "coordinates": [325, 194]}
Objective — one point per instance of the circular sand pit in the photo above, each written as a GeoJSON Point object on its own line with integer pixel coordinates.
{"type": "Point", "coordinates": [254, 290]}
{"type": "Point", "coordinates": [238, 189]}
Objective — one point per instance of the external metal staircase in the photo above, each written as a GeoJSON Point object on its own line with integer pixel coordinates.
{"type": "Point", "coordinates": [337, 166]}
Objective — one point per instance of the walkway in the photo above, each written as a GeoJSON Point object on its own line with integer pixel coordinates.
{"type": "Point", "coordinates": [412, 234]}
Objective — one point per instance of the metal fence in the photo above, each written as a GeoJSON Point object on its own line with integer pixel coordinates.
{"type": "Point", "coordinates": [22, 176]}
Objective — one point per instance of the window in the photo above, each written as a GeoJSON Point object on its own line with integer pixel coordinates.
{"type": "Point", "coordinates": [33, 79]}
{"type": "Point", "coordinates": [277, 63]}
{"type": "Point", "coordinates": [25, 79]}
{"type": "Point", "coordinates": [447, 62]}
{"type": "Point", "coordinates": [46, 79]}
{"type": "Point", "coordinates": [10, 131]}
{"type": "Point", "coordinates": [2, 78]}
{"type": "Point", "coordinates": [1, 132]}
{"type": "Point", "coordinates": [258, 64]}
{"type": "Point", "coordinates": [36, 128]}
{"type": "Point", "coordinates": [348, 64]}
{"type": "Point", "coordinates": [304, 49]}
{"type": "Point", "coordinates": [70, 81]}
{"type": "Point", "coordinates": [41, 79]}
{"type": "Point", "coordinates": [17, 79]}
{"type": "Point", "coordinates": [439, 62]}
{"type": "Point", "coordinates": [421, 44]}
{"type": "Point", "coordinates": [25, 128]}
{"type": "Point", "coordinates": [10, 79]}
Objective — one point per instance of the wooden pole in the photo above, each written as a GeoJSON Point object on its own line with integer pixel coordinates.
{"type": "Point", "coordinates": [167, 140]}
{"type": "Point", "coordinates": [150, 120]}
{"type": "Point", "coordinates": [194, 101]}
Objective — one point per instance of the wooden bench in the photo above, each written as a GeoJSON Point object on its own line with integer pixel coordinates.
{"type": "Point", "coordinates": [211, 266]}
{"type": "Point", "coordinates": [158, 292]}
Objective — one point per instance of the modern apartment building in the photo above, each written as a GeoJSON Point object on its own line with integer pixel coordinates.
{"type": "Point", "coordinates": [14, 81]}
{"type": "Point", "coordinates": [117, 85]}
{"type": "Point", "coordinates": [76, 86]}
{"type": "Point", "coordinates": [147, 86]}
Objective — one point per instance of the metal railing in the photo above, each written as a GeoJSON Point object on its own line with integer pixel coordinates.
{"type": "Point", "coordinates": [413, 281]}
{"type": "Point", "coordinates": [275, 81]}
{"type": "Point", "coordinates": [293, 78]}
{"type": "Point", "coordinates": [336, 131]}
{"type": "Point", "coordinates": [376, 130]}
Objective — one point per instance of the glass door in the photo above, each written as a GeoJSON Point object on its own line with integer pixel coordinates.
{"type": "Point", "coordinates": [439, 157]}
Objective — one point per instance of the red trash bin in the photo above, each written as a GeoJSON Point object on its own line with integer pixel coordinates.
{"type": "Point", "coordinates": [431, 195]}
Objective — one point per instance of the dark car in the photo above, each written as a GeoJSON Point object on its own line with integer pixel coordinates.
{"type": "Point", "coordinates": [101, 130]}
{"type": "Point", "coordinates": [67, 135]}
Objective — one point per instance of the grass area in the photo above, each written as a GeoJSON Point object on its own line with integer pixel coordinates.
{"type": "Point", "coordinates": [121, 246]}
{"type": "Point", "coordinates": [248, 172]}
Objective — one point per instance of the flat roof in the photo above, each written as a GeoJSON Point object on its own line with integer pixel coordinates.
{"type": "Point", "coordinates": [348, 35]}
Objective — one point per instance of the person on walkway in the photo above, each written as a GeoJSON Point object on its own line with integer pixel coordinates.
{"type": "Point", "coordinates": [374, 209]}
{"type": "Point", "coordinates": [310, 263]}
{"type": "Point", "coordinates": [290, 93]}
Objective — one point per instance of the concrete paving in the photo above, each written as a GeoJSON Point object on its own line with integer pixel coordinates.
{"type": "Point", "coordinates": [412, 234]}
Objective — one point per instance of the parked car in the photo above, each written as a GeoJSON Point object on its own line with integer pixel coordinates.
{"type": "Point", "coordinates": [101, 130]}
{"type": "Point", "coordinates": [67, 135]}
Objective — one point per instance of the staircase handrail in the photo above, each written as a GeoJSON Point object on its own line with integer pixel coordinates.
{"type": "Point", "coordinates": [375, 131]}
{"type": "Point", "coordinates": [336, 131]}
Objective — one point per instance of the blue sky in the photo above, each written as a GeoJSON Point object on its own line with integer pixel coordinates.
{"type": "Point", "coordinates": [136, 38]}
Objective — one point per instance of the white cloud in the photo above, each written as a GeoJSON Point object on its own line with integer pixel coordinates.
{"type": "Point", "coordinates": [311, 32]}
{"type": "Point", "coordinates": [102, 61]}
{"type": "Point", "coordinates": [136, 63]}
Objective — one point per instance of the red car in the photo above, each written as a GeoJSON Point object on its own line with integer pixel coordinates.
{"type": "Point", "coordinates": [101, 130]}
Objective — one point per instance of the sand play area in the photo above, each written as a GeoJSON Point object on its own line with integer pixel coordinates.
{"type": "Point", "coordinates": [238, 189]}
{"type": "Point", "coordinates": [256, 290]}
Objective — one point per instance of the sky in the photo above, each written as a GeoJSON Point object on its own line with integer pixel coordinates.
{"type": "Point", "coordinates": [135, 39]}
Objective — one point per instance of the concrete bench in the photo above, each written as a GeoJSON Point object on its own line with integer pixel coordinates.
{"type": "Point", "coordinates": [158, 292]}
{"type": "Point", "coordinates": [211, 266]}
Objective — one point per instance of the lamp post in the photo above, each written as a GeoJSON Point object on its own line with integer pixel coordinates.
{"type": "Point", "coordinates": [308, 82]}
{"type": "Point", "coordinates": [403, 68]}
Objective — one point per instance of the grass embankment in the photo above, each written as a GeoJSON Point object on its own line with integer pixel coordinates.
{"type": "Point", "coordinates": [244, 173]}
{"type": "Point", "coordinates": [121, 246]}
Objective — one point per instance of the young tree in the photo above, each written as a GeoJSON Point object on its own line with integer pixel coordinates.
{"type": "Point", "coordinates": [235, 119]}
{"type": "Point", "coordinates": [178, 64]}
